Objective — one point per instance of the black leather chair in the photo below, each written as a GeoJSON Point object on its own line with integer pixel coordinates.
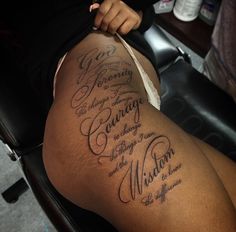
{"type": "Point", "coordinates": [188, 98]}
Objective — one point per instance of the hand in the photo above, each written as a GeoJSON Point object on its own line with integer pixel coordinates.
{"type": "Point", "coordinates": [115, 16]}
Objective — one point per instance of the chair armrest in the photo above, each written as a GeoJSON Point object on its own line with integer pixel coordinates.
{"type": "Point", "coordinates": [199, 107]}
{"type": "Point", "coordinates": [21, 120]}
{"type": "Point", "coordinates": [64, 215]}
{"type": "Point", "coordinates": [165, 52]}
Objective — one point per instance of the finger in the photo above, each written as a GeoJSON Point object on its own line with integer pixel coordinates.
{"type": "Point", "coordinates": [102, 11]}
{"type": "Point", "coordinates": [126, 27]}
{"type": "Point", "coordinates": [139, 20]}
{"type": "Point", "coordinates": [109, 17]}
{"type": "Point", "coordinates": [116, 23]}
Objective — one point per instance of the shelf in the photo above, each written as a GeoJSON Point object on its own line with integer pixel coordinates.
{"type": "Point", "coordinates": [195, 34]}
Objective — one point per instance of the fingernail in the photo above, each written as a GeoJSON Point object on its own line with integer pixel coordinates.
{"type": "Point", "coordinates": [93, 7]}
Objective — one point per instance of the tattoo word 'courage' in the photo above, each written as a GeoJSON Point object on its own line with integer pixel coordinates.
{"type": "Point", "coordinates": [98, 128]}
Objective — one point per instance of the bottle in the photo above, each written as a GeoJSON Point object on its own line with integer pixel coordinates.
{"type": "Point", "coordinates": [164, 6]}
{"type": "Point", "coordinates": [187, 10]}
{"type": "Point", "coordinates": [209, 10]}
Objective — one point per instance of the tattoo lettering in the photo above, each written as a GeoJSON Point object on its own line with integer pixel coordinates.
{"type": "Point", "coordinates": [95, 68]}
{"type": "Point", "coordinates": [160, 194]}
{"type": "Point", "coordinates": [170, 171]}
{"type": "Point", "coordinates": [96, 103]}
{"type": "Point", "coordinates": [93, 58]}
{"type": "Point", "coordinates": [119, 166]}
{"type": "Point", "coordinates": [133, 106]}
{"type": "Point", "coordinates": [120, 100]}
{"type": "Point", "coordinates": [139, 176]}
{"type": "Point", "coordinates": [126, 130]}
{"type": "Point", "coordinates": [125, 73]}
{"type": "Point", "coordinates": [98, 128]}
{"type": "Point", "coordinates": [112, 125]}
{"type": "Point", "coordinates": [125, 147]}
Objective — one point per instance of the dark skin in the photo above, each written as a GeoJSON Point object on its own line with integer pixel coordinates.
{"type": "Point", "coordinates": [111, 10]}
{"type": "Point", "coordinates": [115, 16]}
{"type": "Point", "coordinates": [108, 150]}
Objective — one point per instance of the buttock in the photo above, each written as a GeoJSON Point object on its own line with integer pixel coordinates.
{"type": "Point", "coordinates": [102, 51]}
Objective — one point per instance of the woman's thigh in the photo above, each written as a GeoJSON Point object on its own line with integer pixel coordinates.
{"type": "Point", "coordinates": [225, 168]}
{"type": "Point", "coordinates": [108, 150]}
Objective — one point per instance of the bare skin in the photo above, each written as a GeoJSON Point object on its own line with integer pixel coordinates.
{"type": "Point", "coordinates": [120, 157]}
{"type": "Point", "coordinates": [115, 16]}
{"type": "Point", "coordinates": [108, 150]}
{"type": "Point", "coordinates": [224, 167]}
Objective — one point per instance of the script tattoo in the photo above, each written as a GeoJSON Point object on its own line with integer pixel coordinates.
{"type": "Point", "coordinates": [126, 130]}
{"type": "Point", "coordinates": [165, 188]}
{"type": "Point", "coordinates": [98, 128]}
{"type": "Point", "coordinates": [160, 194]}
{"type": "Point", "coordinates": [139, 176]}
{"type": "Point", "coordinates": [95, 69]}
{"type": "Point", "coordinates": [111, 123]}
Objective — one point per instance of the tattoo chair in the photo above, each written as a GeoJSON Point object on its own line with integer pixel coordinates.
{"type": "Point", "coordinates": [188, 98]}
